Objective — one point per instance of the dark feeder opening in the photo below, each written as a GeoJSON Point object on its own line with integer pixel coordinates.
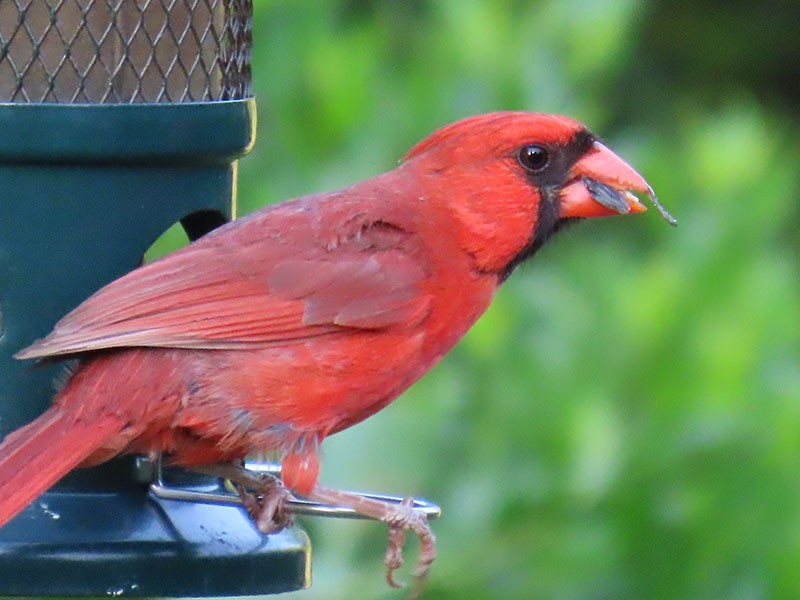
{"type": "Point", "coordinates": [119, 118]}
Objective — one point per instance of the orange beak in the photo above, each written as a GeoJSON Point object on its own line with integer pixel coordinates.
{"type": "Point", "coordinates": [602, 184]}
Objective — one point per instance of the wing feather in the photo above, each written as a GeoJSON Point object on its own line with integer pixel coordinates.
{"type": "Point", "coordinates": [272, 278]}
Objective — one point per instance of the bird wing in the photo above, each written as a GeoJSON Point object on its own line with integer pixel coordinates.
{"type": "Point", "coordinates": [281, 275]}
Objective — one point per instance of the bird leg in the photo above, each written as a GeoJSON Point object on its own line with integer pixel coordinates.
{"type": "Point", "coordinates": [263, 496]}
{"type": "Point", "coordinates": [400, 518]}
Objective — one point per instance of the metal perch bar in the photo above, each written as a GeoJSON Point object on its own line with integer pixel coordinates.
{"type": "Point", "coordinates": [298, 506]}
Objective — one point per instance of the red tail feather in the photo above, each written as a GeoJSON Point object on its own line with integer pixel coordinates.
{"type": "Point", "coordinates": [35, 457]}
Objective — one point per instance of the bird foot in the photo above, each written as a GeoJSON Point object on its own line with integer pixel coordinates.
{"type": "Point", "coordinates": [266, 504]}
{"type": "Point", "coordinates": [263, 496]}
{"type": "Point", "coordinates": [400, 518]}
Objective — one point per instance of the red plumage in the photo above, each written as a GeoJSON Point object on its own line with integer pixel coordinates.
{"type": "Point", "coordinates": [304, 318]}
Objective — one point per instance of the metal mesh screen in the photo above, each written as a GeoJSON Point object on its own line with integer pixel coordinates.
{"type": "Point", "coordinates": [124, 51]}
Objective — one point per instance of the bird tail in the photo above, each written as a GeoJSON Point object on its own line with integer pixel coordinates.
{"type": "Point", "coordinates": [36, 456]}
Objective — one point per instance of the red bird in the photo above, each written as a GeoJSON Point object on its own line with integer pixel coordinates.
{"type": "Point", "coordinates": [304, 318]}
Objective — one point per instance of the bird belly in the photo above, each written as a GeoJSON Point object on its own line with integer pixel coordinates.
{"type": "Point", "coordinates": [275, 394]}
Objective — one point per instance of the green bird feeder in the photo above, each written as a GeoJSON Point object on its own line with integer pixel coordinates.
{"type": "Point", "coordinates": [119, 118]}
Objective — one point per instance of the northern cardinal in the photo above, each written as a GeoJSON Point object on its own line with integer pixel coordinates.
{"type": "Point", "coordinates": [304, 318]}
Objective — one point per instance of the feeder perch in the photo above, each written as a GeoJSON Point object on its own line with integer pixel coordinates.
{"type": "Point", "coordinates": [118, 119]}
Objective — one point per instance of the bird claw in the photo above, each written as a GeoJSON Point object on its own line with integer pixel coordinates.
{"type": "Point", "coordinates": [265, 502]}
{"type": "Point", "coordinates": [401, 518]}
{"type": "Point", "coordinates": [263, 495]}
{"type": "Point", "coordinates": [393, 559]}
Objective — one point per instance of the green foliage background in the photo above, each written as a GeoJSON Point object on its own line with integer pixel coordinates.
{"type": "Point", "coordinates": [624, 422]}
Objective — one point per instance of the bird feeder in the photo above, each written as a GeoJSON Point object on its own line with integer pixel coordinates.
{"type": "Point", "coordinates": [119, 118]}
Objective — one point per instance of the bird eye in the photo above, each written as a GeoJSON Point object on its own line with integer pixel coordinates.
{"type": "Point", "coordinates": [533, 158]}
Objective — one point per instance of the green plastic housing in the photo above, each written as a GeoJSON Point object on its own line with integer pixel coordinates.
{"type": "Point", "coordinates": [86, 189]}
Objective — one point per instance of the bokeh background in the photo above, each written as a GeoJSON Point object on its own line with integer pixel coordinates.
{"type": "Point", "coordinates": [624, 422]}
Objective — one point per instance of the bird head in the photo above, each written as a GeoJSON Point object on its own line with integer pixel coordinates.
{"type": "Point", "coordinates": [515, 178]}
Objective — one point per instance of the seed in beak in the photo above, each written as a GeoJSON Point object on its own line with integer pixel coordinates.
{"type": "Point", "coordinates": [663, 211]}
{"type": "Point", "coordinates": [608, 196]}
